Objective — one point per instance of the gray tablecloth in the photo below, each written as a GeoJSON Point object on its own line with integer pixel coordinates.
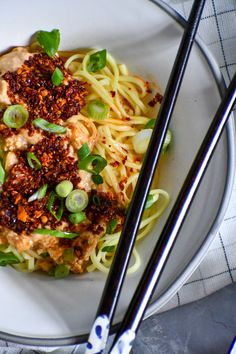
{"type": "Point", "coordinates": [218, 269]}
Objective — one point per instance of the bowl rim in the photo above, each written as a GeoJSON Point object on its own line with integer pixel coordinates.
{"type": "Point", "coordinates": [200, 253]}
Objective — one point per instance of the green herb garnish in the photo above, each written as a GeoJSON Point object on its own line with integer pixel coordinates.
{"type": "Point", "coordinates": [77, 218]}
{"type": "Point", "coordinates": [8, 258]}
{"type": "Point", "coordinates": [84, 151]}
{"type": "Point", "coordinates": [57, 77]}
{"type": "Point", "coordinates": [33, 161]}
{"type": "Point", "coordinates": [53, 198]}
{"type": "Point", "coordinates": [39, 194]}
{"type": "Point", "coordinates": [111, 226]}
{"type": "Point", "coordinates": [97, 179]}
{"type": "Point", "coordinates": [2, 173]}
{"type": "Point", "coordinates": [150, 124]}
{"type": "Point", "coordinates": [93, 164]}
{"type": "Point", "coordinates": [97, 61]}
{"type": "Point", "coordinates": [49, 127]}
{"type": "Point", "coordinates": [49, 41]}
{"type": "Point", "coordinates": [108, 249]}
{"type": "Point", "coordinates": [56, 233]}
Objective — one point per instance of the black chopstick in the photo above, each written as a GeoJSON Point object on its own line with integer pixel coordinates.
{"type": "Point", "coordinates": [151, 276]}
{"type": "Point", "coordinates": [112, 289]}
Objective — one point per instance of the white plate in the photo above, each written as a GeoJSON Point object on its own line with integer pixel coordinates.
{"type": "Point", "coordinates": [38, 310]}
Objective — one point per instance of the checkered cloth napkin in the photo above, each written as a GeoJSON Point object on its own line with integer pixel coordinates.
{"type": "Point", "coordinates": [218, 269]}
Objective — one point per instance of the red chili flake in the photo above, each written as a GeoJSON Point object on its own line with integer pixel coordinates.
{"type": "Point", "coordinates": [122, 183]}
{"type": "Point", "coordinates": [31, 86]}
{"type": "Point", "coordinates": [156, 99]}
{"type": "Point", "coordinates": [124, 159]}
{"type": "Point", "coordinates": [113, 93]}
{"type": "Point", "coordinates": [115, 164]}
{"type": "Point", "coordinates": [17, 213]}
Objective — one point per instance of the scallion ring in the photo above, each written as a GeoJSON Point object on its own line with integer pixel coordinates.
{"type": "Point", "coordinates": [49, 127]}
{"type": "Point", "coordinates": [97, 61]}
{"type": "Point", "coordinates": [93, 164]}
{"type": "Point", "coordinates": [77, 201]}
{"type": "Point", "coordinates": [96, 200]}
{"type": "Point", "coordinates": [108, 249]}
{"type": "Point", "coordinates": [167, 141]}
{"type": "Point", "coordinates": [8, 258]}
{"type": "Point", "coordinates": [77, 218]}
{"type": "Point", "coordinates": [150, 201]}
{"type": "Point", "coordinates": [64, 188]}
{"type": "Point", "coordinates": [97, 179]}
{"type": "Point", "coordinates": [61, 271]}
{"type": "Point", "coordinates": [33, 161]}
{"type": "Point", "coordinates": [2, 173]}
{"type": "Point", "coordinates": [39, 194]}
{"type": "Point", "coordinates": [111, 226]}
{"type": "Point", "coordinates": [69, 254]}
{"type": "Point", "coordinates": [56, 233]}
{"type": "Point", "coordinates": [141, 140]}
{"type": "Point", "coordinates": [84, 151]}
{"type": "Point", "coordinates": [150, 124]}
{"type": "Point", "coordinates": [97, 110]}
{"type": "Point", "coordinates": [53, 197]}
{"type": "Point", "coordinates": [15, 116]}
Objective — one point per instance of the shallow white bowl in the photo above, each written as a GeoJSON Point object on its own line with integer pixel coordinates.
{"type": "Point", "coordinates": [39, 310]}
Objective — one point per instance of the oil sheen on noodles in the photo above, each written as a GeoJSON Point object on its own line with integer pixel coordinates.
{"type": "Point", "coordinates": [127, 96]}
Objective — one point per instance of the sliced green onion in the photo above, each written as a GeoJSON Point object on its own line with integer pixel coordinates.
{"type": "Point", "coordinates": [84, 151]}
{"type": "Point", "coordinates": [51, 272]}
{"type": "Point", "coordinates": [57, 77]}
{"type": "Point", "coordinates": [108, 249]}
{"type": "Point", "coordinates": [150, 201]}
{"type": "Point", "coordinates": [53, 197]}
{"type": "Point", "coordinates": [97, 110]}
{"type": "Point", "coordinates": [97, 179]}
{"type": "Point", "coordinates": [167, 142]}
{"type": "Point", "coordinates": [44, 254]}
{"type": "Point", "coordinates": [77, 201]}
{"type": "Point", "coordinates": [69, 254]}
{"type": "Point", "coordinates": [141, 140]}
{"type": "Point", "coordinates": [39, 194]}
{"type": "Point", "coordinates": [77, 218]}
{"type": "Point", "coordinates": [48, 127]}
{"type": "Point", "coordinates": [96, 200]}
{"type": "Point", "coordinates": [3, 246]}
{"type": "Point", "coordinates": [33, 161]}
{"type": "Point", "coordinates": [2, 173]}
{"type": "Point", "coordinates": [56, 233]}
{"type": "Point", "coordinates": [150, 124]}
{"type": "Point", "coordinates": [15, 116]}
{"type": "Point", "coordinates": [64, 188]}
{"type": "Point", "coordinates": [49, 41]}
{"type": "Point", "coordinates": [111, 226]}
{"type": "Point", "coordinates": [97, 61]}
{"type": "Point", "coordinates": [92, 163]}
{"type": "Point", "coordinates": [61, 271]}
{"type": "Point", "coordinates": [8, 258]}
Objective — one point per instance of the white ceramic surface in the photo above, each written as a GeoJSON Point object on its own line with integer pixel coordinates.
{"type": "Point", "coordinates": [141, 34]}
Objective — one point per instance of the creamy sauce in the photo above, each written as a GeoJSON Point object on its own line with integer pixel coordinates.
{"type": "Point", "coordinates": [21, 141]}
